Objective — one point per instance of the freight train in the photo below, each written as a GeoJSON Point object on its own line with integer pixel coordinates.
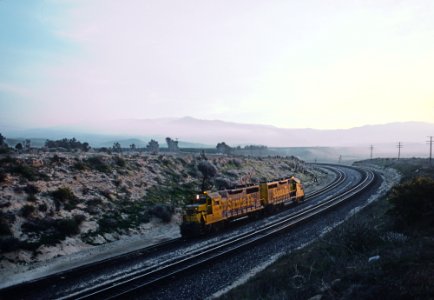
{"type": "Point", "coordinates": [211, 211]}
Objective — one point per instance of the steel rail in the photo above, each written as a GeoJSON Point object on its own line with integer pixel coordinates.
{"type": "Point", "coordinates": [174, 266]}
{"type": "Point", "coordinates": [83, 269]}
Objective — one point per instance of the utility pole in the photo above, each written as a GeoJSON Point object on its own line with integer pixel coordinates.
{"type": "Point", "coordinates": [340, 159]}
{"type": "Point", "coordinates": [399, 146]}
{"type": "Point", "coordinates": [372, 149]}
{"type": "Point", "coordinates": [430, 150]}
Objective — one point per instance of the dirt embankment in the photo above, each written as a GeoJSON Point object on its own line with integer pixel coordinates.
{"type": "Point", "coordinates": [57, 204]}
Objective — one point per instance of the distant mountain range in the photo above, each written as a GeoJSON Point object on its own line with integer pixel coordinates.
{"type": "Point", "coordinates": [207, 133]}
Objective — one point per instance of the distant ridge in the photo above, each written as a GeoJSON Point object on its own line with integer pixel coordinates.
{"type": "Point", "coordinates": [210, 132]}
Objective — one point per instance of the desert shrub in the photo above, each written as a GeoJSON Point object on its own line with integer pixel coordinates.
{"type": "Point", "coordinates": [222, 183]}
{"type": "Point", "coordinates": [27, 210]}
{"type": "Point", "coordinates": [42, 207]}
{"type": "Point", "coordinates": [50, 231]}
{"type": "Point", "coordinates": [119, 161]}
{"type": "Point", "coordinates": [192, 170]}
{"type": "Point", "coordinates": [163, 212]}
{"type": "Point", "coordinates": [355, 236]}
{"type": "Point", "coordinates": [31, 198]}
{"type": "Point", "coordinates": [413, 203]}
{"type": "Point", "coordinates": [25, 171]}
{"type": "Point", "coordinates": [68, 226]}
{"type": "Point", "coordinates": [79, 219]}
{"type": "Point", "coordinates": [97, 163]}
{"type": "Point", "coordinates": [236, 163]}
{"type": "Point", "coordinates": [2, 176]}
{"type": "Point", "coordinates": [108, 223]}
{"type": "Point", "coordinates": [79, 166]}
{"type": "Point", "coordinates": [36, 225]}
{"type": "Point", "coordinates": [31, 189]}
{"type": "Point", "coordinates": [182, 161]}
{"type": "Point", "coordinates": [64, 196]}
{"type": "Point", "coordinates": [8, 244]}
{"type": "Point", "coordinates": [95, 201]}
{"type": "Point", "coordinates": [4, 228]}
{"type": "Point", "coordinates": [57, 159]}
{"type": "Point", "coordinates": [231, 174]}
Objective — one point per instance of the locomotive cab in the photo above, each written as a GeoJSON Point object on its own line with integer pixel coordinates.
{"type": "Point", "coordinates": [199, 216]}
{"type": "Point", "coordinates": [297, 188]}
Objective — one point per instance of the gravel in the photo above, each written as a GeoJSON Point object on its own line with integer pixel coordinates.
{"type": "Point", "coordinates": [222, 275]}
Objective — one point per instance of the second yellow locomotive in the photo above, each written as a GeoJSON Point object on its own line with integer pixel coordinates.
{"type": "Point", "coordinates": [212, 210]}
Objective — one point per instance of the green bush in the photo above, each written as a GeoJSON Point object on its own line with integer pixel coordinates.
{"type": "Point", "coordinates": [42, 207]}
{"type": "Point", "coordinates": [413, 203]}
{"type": "Point", "coordinates": [27, 210]}
{"type": "Point", "coordinates": [8, 244]}
{"type": "Point", "coordinates": [25, 171]}
{"type": "Point", "coordinates": [64, 196]}
{"type": "Point", "coordinates": [31, 198]}
{"type": "Point", "coordinates": [97, 163]}
{"type": "Point", "coordinates": [80, 166]}
{"type": "Point", "coordinates": [31, 189]}
{"type": "Point", "coordinates": [163, 212]}
{"type": "Point", "coordinates": [2, 176]}
{"type": "Point", "coordinates": [4, 228]}
{"type": "Point", "coordinates": [120, 162]}
{"type": "Point", "coordinates": [68, 226]}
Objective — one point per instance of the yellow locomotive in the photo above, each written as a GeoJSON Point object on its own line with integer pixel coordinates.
{"type": "Point", "coordinates": [212, 210]}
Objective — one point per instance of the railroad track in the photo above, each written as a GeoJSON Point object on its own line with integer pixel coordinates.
{"type": "Point", "coordinates": [148, 276]}
{"type": "Point", "coordinates": [168, 269]}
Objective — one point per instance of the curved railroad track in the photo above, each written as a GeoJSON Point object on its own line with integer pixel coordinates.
{"type": "Point", "coordinates": [161, 262]}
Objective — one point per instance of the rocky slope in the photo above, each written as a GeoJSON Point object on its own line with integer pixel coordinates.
{"type": "Point", "coordinates": [54, 204]}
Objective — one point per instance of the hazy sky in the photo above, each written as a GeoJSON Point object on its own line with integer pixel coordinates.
{"type": "Point", "coordinates": [318, 64]}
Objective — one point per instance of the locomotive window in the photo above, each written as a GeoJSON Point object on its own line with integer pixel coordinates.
{"type": "Point", "coordinates": [201, 199]}
{"type": "Point", "coordinates": [252, 190]}
{"type": "Point", "coordinates": [272, 186]}
{"type": "Point", "coordinates": [235, 192]}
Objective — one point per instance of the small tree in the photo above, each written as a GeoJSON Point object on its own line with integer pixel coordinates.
{"type": "Point", "coordinates": [223, 148]}
{"type": "Point", "coordinates": [117, 147]}
{"type": "Point", "coordinates": [19, 146]}
{"type": "Point", "coordinates": [153, 147]}
{"type": "Point", "coordinates": [27, 144]}
{"type": "Point", "coordinates": [208, 171]}
{"type": "Point", "coordinates": [133, 147]}
{"type": "Point", "coordinates": [172, 145]}
{"type": "Point", "coordinates": [2, 141]}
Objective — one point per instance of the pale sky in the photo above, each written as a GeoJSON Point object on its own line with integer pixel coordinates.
{"type": "Point", "coordinates": [294, 64]}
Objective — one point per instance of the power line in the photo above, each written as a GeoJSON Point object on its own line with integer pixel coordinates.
{"type": "Point", "coordinates": [430, 149]}
{"type": "Point", "coordinates": [399, 146]}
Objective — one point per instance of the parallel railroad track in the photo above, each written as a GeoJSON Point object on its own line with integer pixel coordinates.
{"type": "Point", "coordinates": [148, 276]}
{"type": "Point", "coordinates": [151, 276]}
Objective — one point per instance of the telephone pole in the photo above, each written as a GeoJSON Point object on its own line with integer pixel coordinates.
{"type": "Point", "coordinates": [430, 150]}
{"type": "Point", "coordinates": [399, 146]}
{"type": "Point", "coordinates": [372, 149]}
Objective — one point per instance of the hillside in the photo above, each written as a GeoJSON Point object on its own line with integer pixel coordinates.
{"type": "Point", "coordinates": [54, 204]}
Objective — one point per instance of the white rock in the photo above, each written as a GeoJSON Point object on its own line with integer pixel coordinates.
{"type": "Point", "coordinates": [374, 258]}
